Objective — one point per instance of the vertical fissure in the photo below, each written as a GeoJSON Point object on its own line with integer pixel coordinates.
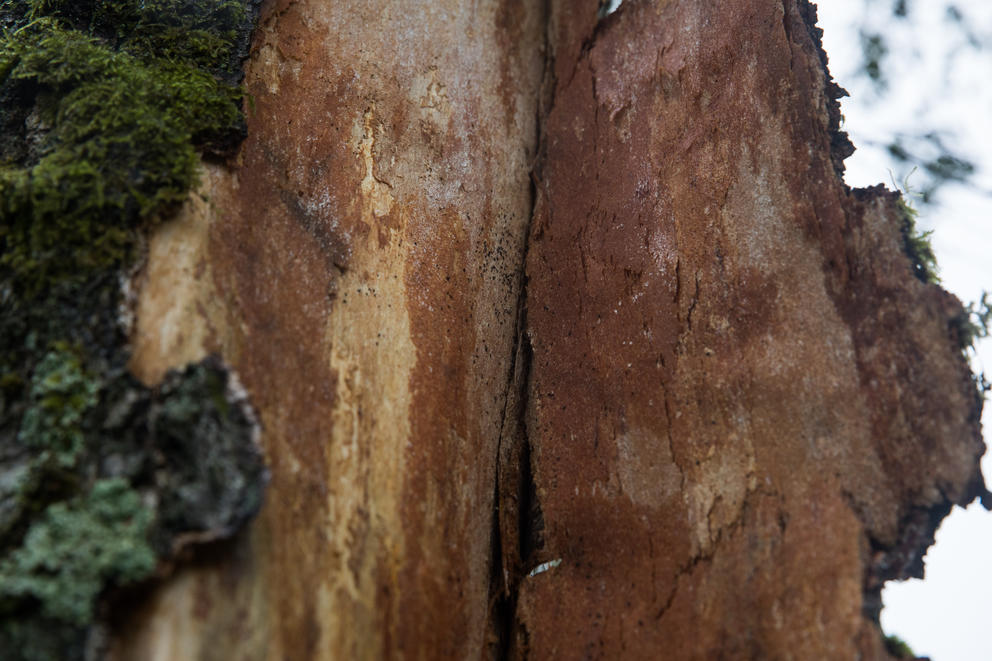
{"type": "Point", "coordinates": [530, 518]}
{"type": "Point", "coordinates": [517, 519]}
{"type": "Point", "coordinates": [518, 522]}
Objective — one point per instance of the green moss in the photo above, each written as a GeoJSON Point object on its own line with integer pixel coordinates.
{"type": "Point", "coordinates": [898, 648]}
{"type": "Point", "coordinates": [917, 244]}
{"type": "Point", "coordinates": [117, 148]}
{"type": "Point", "coordinates": [104, 106]}
{"type": "Point", "coordinates": [973, 322]}
{"type": "Point", "coordinates": [201, 32]}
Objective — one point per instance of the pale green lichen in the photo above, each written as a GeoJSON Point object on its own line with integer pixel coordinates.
{"type": "Point", "coordinates": [75, 549]}
{"type": "Point", "coordinates": [61, 394]}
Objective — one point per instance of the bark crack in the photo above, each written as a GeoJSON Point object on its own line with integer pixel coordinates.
{"type": "Point", "coordinates": [514, 491]}
{"type": "Point", "coordinates": [517, 517]}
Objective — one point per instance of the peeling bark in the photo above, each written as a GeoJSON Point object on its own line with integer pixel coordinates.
{"type": "Point", "coordinates": [512, 286]}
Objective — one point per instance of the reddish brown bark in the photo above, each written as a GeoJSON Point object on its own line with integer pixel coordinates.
{"type": "Point", "coordinates": [723, 402]}
{"type": "Point", "coordinates": [732, 409]}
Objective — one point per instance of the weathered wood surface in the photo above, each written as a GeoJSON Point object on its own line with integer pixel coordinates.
{"type": "Point", "coordinates": [723, 400]}
{"type": "Point", "coordinates": [360, 267]}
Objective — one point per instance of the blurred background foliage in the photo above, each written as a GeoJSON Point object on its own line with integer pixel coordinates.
{"type": "Point", "coordinates": [902, 44]}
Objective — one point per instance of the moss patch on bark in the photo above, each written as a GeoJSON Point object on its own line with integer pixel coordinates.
{"type": "Point", "coordinates": [104, 107]}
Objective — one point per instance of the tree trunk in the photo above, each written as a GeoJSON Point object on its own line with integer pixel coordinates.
{"type": "Point", "coordinates": [567, 340]}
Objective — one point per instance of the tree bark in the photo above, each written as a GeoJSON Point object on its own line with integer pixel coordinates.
{"type": "Point", "coordinates": [567, 340]}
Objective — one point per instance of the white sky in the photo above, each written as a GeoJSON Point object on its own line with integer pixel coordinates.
{"type": "Point", "coordinates": [947, 616]}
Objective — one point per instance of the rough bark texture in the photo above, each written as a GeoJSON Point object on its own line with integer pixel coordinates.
{"type": "Point", "coordinates": [360, 266]}
{"type": "Point", "coordinates": [734, 416]}
{"type": "Point", "coordinates": [727, 406]}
